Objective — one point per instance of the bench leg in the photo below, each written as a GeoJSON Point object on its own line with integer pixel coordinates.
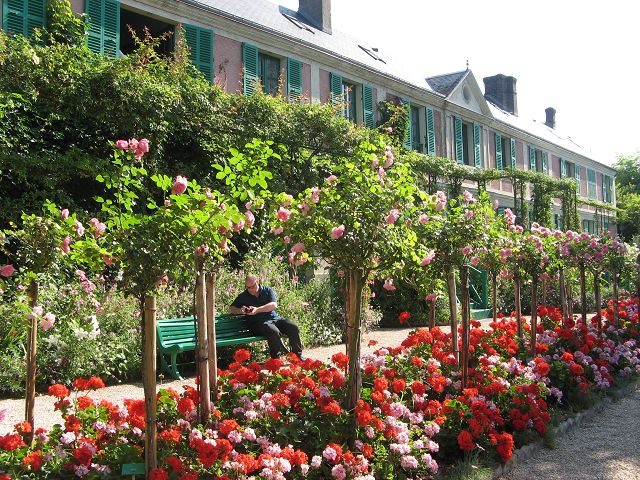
{"type": "Point", "coordinates": [173, 369]}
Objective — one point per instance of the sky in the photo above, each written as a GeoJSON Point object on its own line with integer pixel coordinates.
{"type": "Point", "coordinates": [579, 57]}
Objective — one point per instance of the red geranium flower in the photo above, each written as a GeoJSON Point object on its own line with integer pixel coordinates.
{"type": "Point", "coordinates": [33, 460]}
{"type": "Point", "coordinates": [465, 441]}
{"type": "Point", "coordinates": [403, 317]}
{"type": "Point", "coordinates": [242, 355]}
{"type": "Point", "coordinates": [59, 390]}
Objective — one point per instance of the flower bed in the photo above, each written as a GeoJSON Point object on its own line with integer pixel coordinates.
{"type": "Point", "coordinates": [285, 419]}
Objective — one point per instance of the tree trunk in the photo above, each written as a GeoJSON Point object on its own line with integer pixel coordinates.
{"type": "Point", "coordinates": [466, 327]}
{"type": "Point", "coordinates": [149, 337]}
{"type": "Point", "coordinates": [203, 357]}
{"type": "Point", "coordinates": [583, 294]}
{"type": "Point", "coordinates": [211, 337]}
{"type": "Point", "coordinates": [32, 346]}
{"type": "Point", "coordinates": [616, 317]}
{"type": "Point", "coordinates": [432, 314]}
{"type": "Point", "coordinates": [563, 293]}
{"type": "Point", "coordinates": [494, 296]}
{"type": "Point", "coordinates": [518, 306]}
{"type": "Point", "coordinates": [353, 304]}
{"type": "Point", "coordinates": [544, 292]}
{"type": "Point", "coordinates": [570, 300]}
{"type": "Point", "coordinates": [598, 298]}
{"type": "Point", "coordinates": [453, 312]}
{"type": "Point", "coordinates": [534, 315]}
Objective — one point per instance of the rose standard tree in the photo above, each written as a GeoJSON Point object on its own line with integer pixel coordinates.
{"type": "Point", "coordinates": [358, 221]}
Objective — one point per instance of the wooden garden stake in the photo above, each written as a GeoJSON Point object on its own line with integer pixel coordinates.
{"type": "Point", "coordinates": [494, 296]}
{"type": "Point", "coordinates": [32, 345]}
{"type": "Point", "coordinates": [202, 350]}
{"type": "Point", "coordinates": [353, 305]}
{"type": "Point", "coordinates": [518, 306]}
{"type": "Point", "coordinates": [616, 317]}
{"type": "Point", "coordinates": [432, 314]}
{"type": "Point", "coordinates": [598, 298]}
{"type": "Point", "coordinates": [534, 315]}
{"type": "Point", "coordinates": [466, 327]}
{"type": "Point", "coordinates": [583, 293]}
{"type": "Point", "coordinates": [453, 312]}
{"type": "Point", "coordinates": [211, 331]}
{"type": "Point", "coordinates": [149, 336]}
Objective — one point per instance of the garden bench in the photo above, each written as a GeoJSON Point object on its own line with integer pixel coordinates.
{"type": "Point", "coordinates": [178, 335]}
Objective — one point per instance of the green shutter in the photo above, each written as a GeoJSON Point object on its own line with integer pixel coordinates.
{"type": "Point", "coordinates": [532, 159]}
{"type": "Point", "coordinates": [545, 157]}
{"type": "Point", "coordinates": [200, 41]}
{"type": "Point", "coordinates": [431, 131]}
{"type": "Point", "coordinates": [367, 107]}
{"type": "Point", "coordinates": [610, 195]}
{"type": "Point", "coordinates": [335, 84]}
{"type": "Point", "coordinates": [577, 177]}
{"type": "Point", "coordinates": [499, 161]}
{"type": "Point", "coordinates": [477, 145]}
{"type": "Point", "coordinates": [563, 168]}
{"type": "Point", "coordinates": [104, 26]}
{"type": "Point", "coordinates": [294, 80]}
{"type": "Point", "coordinates": [407, 132]}
{"type": "Point", "coordinates": [513, 153]}
{"type": "Point", "coordinates": [250, 64]}
{"type": "Point", "coordinates": [591, 183]}
{"type": "Point", "coordinates": [23, 16]}
{"type": "Point", "coordinates": [457, 129]}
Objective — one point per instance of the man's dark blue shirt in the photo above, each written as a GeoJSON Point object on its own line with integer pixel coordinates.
{"type": "Point", "coordinates": [265, 295]}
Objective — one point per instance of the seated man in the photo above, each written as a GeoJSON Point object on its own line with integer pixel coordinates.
{"type": "Point", "coordinates": [258, 303]}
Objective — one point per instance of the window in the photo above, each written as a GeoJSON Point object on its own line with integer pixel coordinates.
{"type": "Point", "coordinates": [505, 152]}
{"type": "Point", "coordinates": [537, 160]}
{"type": "Point", "coordinates": [415, 128]}
{"type": "Point", "coordinates": [591, 184]}
{"type": "Point", "coordinates": [23, 16]}
{"type": "Point", "coordinates": [468, 142]}
{"type": "Point", "coordinates": [269, 73]}
{"type": "Point", "coordinates": [104, 26]}
{"type": "Point", "coordinates": [157, 28]}
{"type": "Point", "coordinates": [431, 131]}
{"type": "Point", "coordinates": [343, 93]}
{"type": "Point", "coordinates": [576, 173]}
{"type": "Point", "coordinates": [607, 188]}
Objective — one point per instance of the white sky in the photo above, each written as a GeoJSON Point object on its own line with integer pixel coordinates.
{"type": "Point", "coordinates": [580, 57]}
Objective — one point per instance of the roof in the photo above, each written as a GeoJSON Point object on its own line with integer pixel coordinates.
{"type": "Point", "coordinates": [289, 23]}
{"type": "Point", "coordinates": [445, 84]}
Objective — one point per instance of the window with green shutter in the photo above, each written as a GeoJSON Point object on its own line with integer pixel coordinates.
{"type": "Point", "coordinates": [269, 74]}
{"type": "Point", "coordinates": [577, 177]}
{"type": "Point", "coordinates": [335, 85]}
{"type": "Point", "coordinates": [431, 131]}
{"type": "Point", "coordinates": [459, 139]}
{"type": "Point", "coordinates": [532, 159]}
{"type": "Point", "coordinates": [368, 113]}
{"type": "Point", "coordinates": [499, 161]}
{"type": "Point", "coordinates": [591, 183]}
{"type": "Point", "coordinates": [408, 134]}
{"type": "Point", "coordinates": [200, 41]}
{"type": "Point", "coordinates": [544, 157]}
{"type": "Point", "coordinates": [250, 65]}
{"type": "Point", "coordinates": [513, 153]}
{"type": "Point", "coordinates": [104, 26]}
{"type": "Point", "coordinates": [563, 168]}
{"type": "Point", "coordinates": [23, 16]}
{"type": "Point", "coordinates": [294, 80]}
{"type": "Point", "coordinates": [477, 145]}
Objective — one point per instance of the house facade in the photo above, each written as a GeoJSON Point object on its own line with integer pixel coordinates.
{"type": "Point", "coordinates": [241, 45]}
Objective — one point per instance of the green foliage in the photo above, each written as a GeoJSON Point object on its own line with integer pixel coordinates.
{"type": "Point", "coordinates": [63, 25]}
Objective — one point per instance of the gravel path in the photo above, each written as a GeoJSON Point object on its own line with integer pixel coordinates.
{"type": "Point", "coordinates": [605, 447]}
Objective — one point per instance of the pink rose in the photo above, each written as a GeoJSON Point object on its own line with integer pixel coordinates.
{"type": "Point", "coordinates": [107, 259]}
{"type": "Point", "coordinates": [287, 200]}
{"type": "Point", "coordinates": [466, 250]}
{"type": "Point", "coordinates": [475, 261]}
{"type": "Point", "coordinates": [331, 180]}
{"type": "Point", "coordinates": [315, 195]}
{"type": "Point", "coordinates": [122, 144]}
{"type": "Point", "coordinates": [239, 226]}
{"type": "Point", "coordinates": [47, 322]}
{"type": "Point", "coordinates": [297, 248]}
{"type": "Point", "coordinates": [428, 259]}
{"type": "Point", "coordinates": [423, 219]}
{"type": "Point", "coordinates": [304, 208]}
{"type": "Point", "coordinates": [143, 146]}
{"type": "Point", "coordinates": [389, 129]}
{"type": "Point", "coordinates": [64, 213]}
{"type": "Point", "coordinates": [163, 280]}
{"type": "Point", "coordinates": [7, 270]}
{"type": "Point", "coordinates": [133, 144]}
{"type": "Point", "coordinates": [393, 216]}
{"type": "Point", "coordinates": [250, 218]}
{"type": "Point", "coordinates": [432, 297]}
{"type": "Point", "coordinates": [277, 231]}
{"type": "Point", "coordinates": [388, 284]}
{"type": "Point", "coordinates": [283, 214]}
{"type": "Point", "coordinates": [337, 232]}
{"type": "Point", "coordinates": [287, 239]}
{"type": "Point", "coordinates": [179, 185]}
{"type": "Point", "coordinates": [65, 244]}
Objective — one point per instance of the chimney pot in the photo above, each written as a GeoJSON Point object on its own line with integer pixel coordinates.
{"type": "Point", "coordinates": [501, 91]}
{"type": "Point", "coordinates": [317, 12]}
{"type": "Point", "coordinates": [551, 117]}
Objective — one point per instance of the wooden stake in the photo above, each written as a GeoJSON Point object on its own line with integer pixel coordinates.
{"type": "Point", "coordinates": [466, 326]}
{"type": "Point", "coordinates": [453, 312]}
{"type": "Point", "coordinates": [32, 346]}
{"type": "Point", "coordinates": [353, 305]}
{"type": "Point", "coordinates": [494, 296]}
{"type": "Point", "coordinates": [534, 315]}
{"type": "Point", "coordinates": [149, 336]}
{"type": "Point", "coordinates": [598, 298]}
{"type": "Point", "coordinates": [518, 306]}
{"type": "Point", "coordinates": [583, 294]}
{"type": "Point", "coordinates": [203, 358]}
{"type": "Point", "coordinates": [616, 317]}
{"type": "Point", "coordinates": [432, 314]}
{"type": "Point", "coordinates": [211, 331]}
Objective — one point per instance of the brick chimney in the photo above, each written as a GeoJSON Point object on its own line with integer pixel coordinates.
{"type": "Point", "coordinates": [317, 12]}
{"type": "Point", "coordinates": [551, 117]}
{"type": "Point", "coordinates": [501, 91]}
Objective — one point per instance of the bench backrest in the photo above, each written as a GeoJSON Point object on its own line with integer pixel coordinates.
{"type": "Point", "coordinates": [173, 331]}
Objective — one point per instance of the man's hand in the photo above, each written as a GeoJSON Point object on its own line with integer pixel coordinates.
{"type": "Point", "coordinates": [248, 310]}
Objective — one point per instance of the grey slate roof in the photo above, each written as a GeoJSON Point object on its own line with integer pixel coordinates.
{"type": "Point", "coordinates": [269, 16]}
{"type": "Point", "coordinates": [445, 84]}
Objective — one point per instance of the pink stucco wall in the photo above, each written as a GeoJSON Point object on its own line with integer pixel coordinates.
{"type": "Point", "coordinates": [77, 6]}
{"type": "Point", "coordinates": [519, 155]}
{"type": "Point", "coordinates": [324, 86]}
{"type": "Point", "coordinates": [306, 82]}
{"type": "Point", "coordinates": [227, 64]}
{"type": "Point", "coordinates": [554, 171]}
{"type": "Point", "coordinates": [599, 186]}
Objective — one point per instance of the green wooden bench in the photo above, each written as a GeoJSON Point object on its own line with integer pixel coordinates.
{"type": "Point", "coordinates": [178, 335]}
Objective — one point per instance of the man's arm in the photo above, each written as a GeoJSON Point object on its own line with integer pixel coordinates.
{"type": "Point", "coordinates": [266, 308]}
{"type": "Point", "coordinates": [235, 310]}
